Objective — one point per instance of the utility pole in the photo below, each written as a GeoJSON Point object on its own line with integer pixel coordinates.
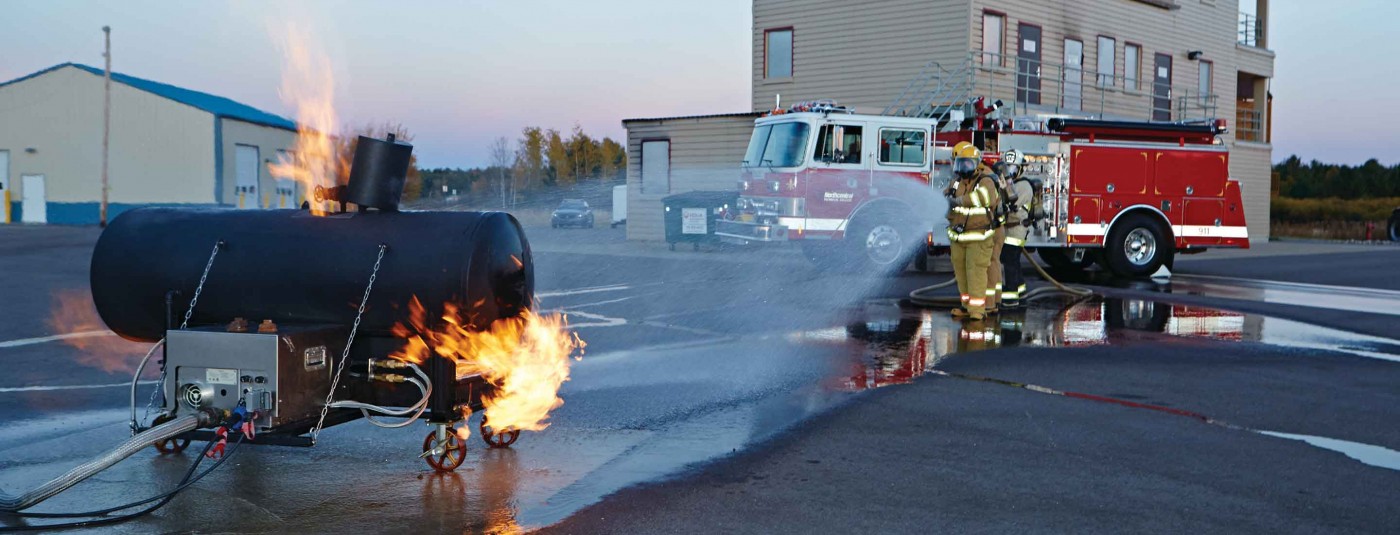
{"type": "Point", "coordinates": [106, 117]}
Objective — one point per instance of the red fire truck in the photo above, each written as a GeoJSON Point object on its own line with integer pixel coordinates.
{"type": "Point", "coordinates": [863, 192]}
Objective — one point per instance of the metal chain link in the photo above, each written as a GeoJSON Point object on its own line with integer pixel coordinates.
{"type": "Point", "coordinates": [344, 355]}
{"type": "Point", "coordinates": [160, 384]}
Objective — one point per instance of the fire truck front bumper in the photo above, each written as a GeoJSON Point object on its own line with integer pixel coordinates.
{"type": "Point", "coordinates": [744, 231]}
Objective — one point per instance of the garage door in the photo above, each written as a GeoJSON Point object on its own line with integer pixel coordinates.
{"type": "Point", "coordinates": [245, 166]}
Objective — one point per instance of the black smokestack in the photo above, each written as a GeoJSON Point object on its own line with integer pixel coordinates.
{"type": "Point", "coordinates": [378, 173]}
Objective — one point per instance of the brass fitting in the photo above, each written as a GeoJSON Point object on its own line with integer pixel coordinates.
{"type": "Point", "coordinates": [390, 378]}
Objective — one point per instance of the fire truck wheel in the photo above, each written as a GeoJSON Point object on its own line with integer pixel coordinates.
{"type": "Point", "coordinates": [1137, 246]}
{"type": "Point", "coordinates": [879, 243]}
{"type": "Point", "coordinates": [1394, 227]}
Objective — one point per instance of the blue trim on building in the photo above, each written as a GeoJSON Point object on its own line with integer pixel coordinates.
{"type": "Point", "coordinates": [217, 105]}
{"type": "Point", "coordinates": [218, 159]}
{"type": "Point", "coordinates": [16, 211]}
{"type": "Point", "coordinates": [87, 213]}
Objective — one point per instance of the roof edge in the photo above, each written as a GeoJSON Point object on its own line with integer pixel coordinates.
{"type": "Point", "coordinates": [751, 114]}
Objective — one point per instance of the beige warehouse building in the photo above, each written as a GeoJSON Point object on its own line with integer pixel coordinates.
{"type": "Point", "coordinates": [169, 146]}
{"type": "Point", "coordinates": [1143, 60]}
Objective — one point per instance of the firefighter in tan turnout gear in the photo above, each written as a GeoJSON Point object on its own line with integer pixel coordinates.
{"type": "Point", "coordinates": [971, 227]}
{"type": "Point", "coordinates": [1020, 192]}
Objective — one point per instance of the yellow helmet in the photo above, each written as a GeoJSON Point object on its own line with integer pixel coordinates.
{"type": "Point", "coordinates": [966, 158]}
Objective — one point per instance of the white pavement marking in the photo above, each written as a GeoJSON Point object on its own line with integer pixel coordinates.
{"type": "Point", "coordinates": [599, 303]}
{"type": "Point", "coordinates": [599, 320]}
{"type": "Point", "coordinates": [8, 389]}
{"type": "Point", "coordinates": [54, 338]}
{"type": "Point", "coordinates": [580, 291]}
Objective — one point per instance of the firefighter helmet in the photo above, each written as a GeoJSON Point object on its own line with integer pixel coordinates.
{"type": "Point", "coordinates": [1011, 164]}
{"type": "Point", "coordinates": [966, 158]}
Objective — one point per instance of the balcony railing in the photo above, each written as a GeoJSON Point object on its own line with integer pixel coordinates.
{"type": "Point", "coordinates": [1251, 30]}
{"type": "Point", "coordinates": [1029, 86]}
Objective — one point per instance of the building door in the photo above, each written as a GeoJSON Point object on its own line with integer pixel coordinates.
{"type": "Point", "coordinates": [34, 208]}
{"type": "Point", "coordinates": [1162, 88]}
{"type": "Point", "coordinates": [1028, 64]}
{"type": "Point", "coordinates": [1073, 98]}
{"type": "Point", "coordinates": [286, 187]}
{"type": "Point", "coordinates": [246, 168]}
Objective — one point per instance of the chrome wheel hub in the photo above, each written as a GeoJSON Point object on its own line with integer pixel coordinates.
{"type": "Point", "coordinates": [883, 244]}
{"type": "Point", "coordinates": [1140, 246]}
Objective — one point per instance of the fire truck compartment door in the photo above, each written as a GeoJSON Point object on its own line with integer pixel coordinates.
{"type": "Point", "coordinates": [1116, 171]}
{"type": "Point", "coordinates": [1198, 223]}
{"type": "Point", "coordinates": [1192, 173]}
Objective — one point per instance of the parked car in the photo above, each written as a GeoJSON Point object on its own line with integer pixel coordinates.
{"type": "Point", "coordinates": [572, 213]}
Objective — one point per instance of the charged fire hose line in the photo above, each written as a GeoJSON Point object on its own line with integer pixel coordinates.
{"type": "Point", "coordinates": [165, 431]}
{"type": "Point", "coordinates": [920, 296]}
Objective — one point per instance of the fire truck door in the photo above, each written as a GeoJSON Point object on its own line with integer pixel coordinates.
{"type": "Point", "coordinates": [839, 177]}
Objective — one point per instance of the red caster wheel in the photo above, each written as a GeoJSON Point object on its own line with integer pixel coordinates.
{"type": "Point", "coordinates": [444, 454]}
{"type": "Point", "coordinates": [173, 445]}
{"type": "Point", "coordinates": [496, 440]}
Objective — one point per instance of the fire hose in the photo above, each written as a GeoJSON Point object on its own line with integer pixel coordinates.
{"type": "Point", "coordinates": [921, 296]}
{"type": "Point", "coordinates": [165, 431]}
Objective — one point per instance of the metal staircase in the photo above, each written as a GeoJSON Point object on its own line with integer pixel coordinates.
{"type": "Point", "coordinates": [935, 92]}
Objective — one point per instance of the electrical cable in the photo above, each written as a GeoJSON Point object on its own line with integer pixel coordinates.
{"type": "Point", "coordinates": [164, 498]}
{"type": "Point", "coordinates": [425, 386]}
{"type": "Point", "coordinates": [136, 377]}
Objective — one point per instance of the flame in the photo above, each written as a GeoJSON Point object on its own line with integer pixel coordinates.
{"type": "Point", "coordinates": [464, 432]}
{"type": "Point", "coordinates": [74, 314]}
{"type": "Point", "coordinates": [308, 84]}
{"type": "Point", "coordinates": [526, 359]}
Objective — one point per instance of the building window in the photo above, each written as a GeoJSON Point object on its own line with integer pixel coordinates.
{"type": "Point", "coordinates": [838, 144]}
{"type": "Point", "coordinates": [1132, 58]}
{"type": "Point", "coordinates": [993, 35]}
{"type": "Point", "coordinates": [656, 167]}
{"type": "Point", "coordinates": [902, 147]}
{"type": "Point", "coordinates": [1107, 51]}
{"type": "Point", "coordinates": [777, 55]}
{"type": "Point", "coordinates": [1206, 82]}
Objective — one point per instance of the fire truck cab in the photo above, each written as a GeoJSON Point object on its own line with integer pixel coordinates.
{"type": "Point", "coordinates": [864, 192]}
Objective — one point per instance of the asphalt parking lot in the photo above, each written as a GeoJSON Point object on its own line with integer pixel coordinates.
{"type": "Point", "coordinates": [735, 390]}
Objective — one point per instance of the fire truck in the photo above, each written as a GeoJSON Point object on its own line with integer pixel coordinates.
{"type": "Point", "coordinates": [863, 193]}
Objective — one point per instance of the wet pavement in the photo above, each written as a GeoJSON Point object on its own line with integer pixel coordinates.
{"type": "Point", "coordinates": [696, 357]}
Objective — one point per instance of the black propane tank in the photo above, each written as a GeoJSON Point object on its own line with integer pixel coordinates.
{"type": "Point", "coordinates": [293, 267]}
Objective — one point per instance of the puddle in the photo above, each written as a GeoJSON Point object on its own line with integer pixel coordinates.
{"type": "Point", "coordinates": [1365, 453]}
{"type": "Point", "coordinates": [902, 344]}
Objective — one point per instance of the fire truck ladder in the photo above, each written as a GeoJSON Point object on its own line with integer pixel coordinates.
{"type": "Point", "coordinates": [936, 92]}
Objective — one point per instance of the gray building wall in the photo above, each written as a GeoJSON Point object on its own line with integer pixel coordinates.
{"type": "Point", "coordinates": [705, 155]}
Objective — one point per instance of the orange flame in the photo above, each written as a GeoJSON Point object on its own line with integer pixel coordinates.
{"type": "Point", "coordinates": [74, 314]}
{"type": "Point", "coordinates": [526, 359]}
{"type": "Point", "coordinates": [308, 84]}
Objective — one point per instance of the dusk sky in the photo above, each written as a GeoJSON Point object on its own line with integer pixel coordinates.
{"type": "Point", "coordinates": [458, 74]}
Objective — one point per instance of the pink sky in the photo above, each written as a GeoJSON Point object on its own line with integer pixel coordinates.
{"type": "Point", "coordinates": [459, 74]}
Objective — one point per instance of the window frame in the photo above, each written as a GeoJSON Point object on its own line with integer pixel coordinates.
{"type": "Point", "coordinates": [1001, 39]}
{"type": "Point", "coordinates": [880, 136]}
{"type": "Point", "coordinates": [641, 165]}
{"type": "Point", "coordinates": [1209, 68]}
{"type": "Point", "coordinates": [1112, 73]}
{"type": "Point", "coordinates": [1135, 76]}
{"type": "Point", "coordinates": [792, 52]}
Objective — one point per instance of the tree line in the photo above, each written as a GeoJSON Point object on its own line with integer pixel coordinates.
{"type": "Point", "coordinates": [1317, 180]}
{"type": "Point", "coordinates": [538, 161]}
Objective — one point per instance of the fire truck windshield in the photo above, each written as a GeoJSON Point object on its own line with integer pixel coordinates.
{"type": "Point", "coordinates": [777, 145]}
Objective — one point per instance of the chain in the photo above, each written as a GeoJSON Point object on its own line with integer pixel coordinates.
{"type": "Point", "coordinates": [197, 289]}
{"type": "Point", "coordinates": [160, 384]}
{"type": "Point", "coordinates": [344, 355]}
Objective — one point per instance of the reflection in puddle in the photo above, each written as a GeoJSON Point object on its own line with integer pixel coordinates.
{"type": "Point", "coordinates": [898, 345]}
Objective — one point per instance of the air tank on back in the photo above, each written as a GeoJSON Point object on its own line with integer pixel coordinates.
{"type": "Point", "coordinates": [291, 266]}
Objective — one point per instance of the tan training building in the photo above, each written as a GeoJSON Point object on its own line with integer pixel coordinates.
{"type": "Point", "coordinates": [1160, 60]}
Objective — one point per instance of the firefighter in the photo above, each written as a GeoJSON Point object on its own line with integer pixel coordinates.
{"type": "Point", "coordinates": [1020, 193]}
{"type": "Point", "coordinates": [970, 228]}
{"type": "Point", "coordinates": [994, 269]}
